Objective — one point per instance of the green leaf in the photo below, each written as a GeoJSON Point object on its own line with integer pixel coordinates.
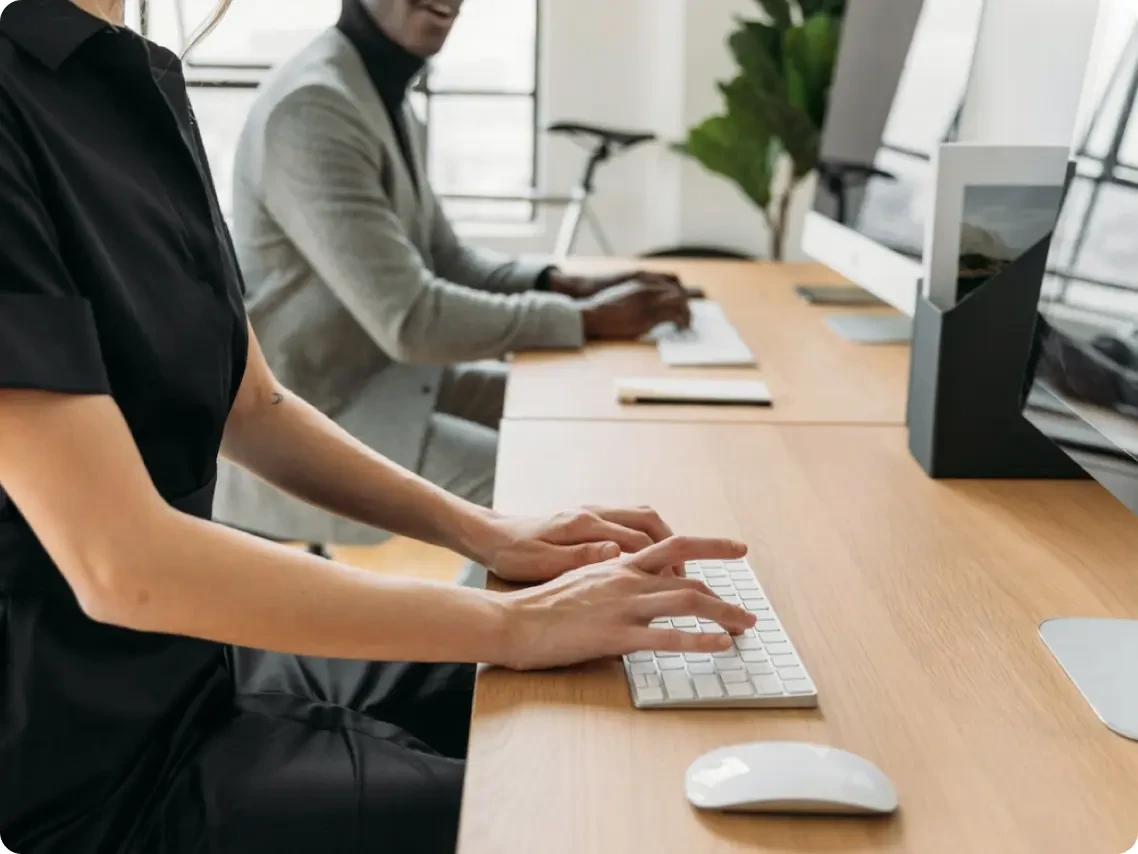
{"type": "Point", "coordinates": [757, 49]}
{"type": "Point", "coordinates": [837, 8]}
{"type": "Point", "coordinates": [810, 54]}
{"type": "Point", "coordinates": [778, 11]}
{"type": "Point", "coordinates": [744, 159]}
{"type": "Point", "coordinates": [753, 110]}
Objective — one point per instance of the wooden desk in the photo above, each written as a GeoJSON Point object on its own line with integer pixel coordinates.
{"type": "Point", "coordinates": [915, 605]}
{"type": "Point", "coordinates": [814, 376]}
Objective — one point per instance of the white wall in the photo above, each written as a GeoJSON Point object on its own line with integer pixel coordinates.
{"type": "Point", "coordinates": [640, 64]}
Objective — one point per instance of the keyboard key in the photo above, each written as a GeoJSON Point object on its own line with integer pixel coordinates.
{"type": "Point", "coordinates": [798, 686]}
{"type": "Point", "coordinates": [714, 629]}
{"type": "Point", "coordinates": [753, 655]}
{"type": "Point", "coordinates": [767, 624]}
{"type": "Point", "coordinates": [678, 686]}
{"type": "Point", "coordinates": [652, 680]}
{"type": "Point", "coordinates": [772, 637]}
{"type": "Point", "coordinates": [671, 664]}
{"type": "Point", "coordinates": [740, 689]}
{"type": "Point", "coordinates": [727, 653]}
{"type": "Point", "coordinates": [748, 643]}
{"type": "Point", "coordinates": [640, 656]}
{"type": "Point", "coordinates": [684, 622]}
{"type": "Point", "coordinates": [696, 656]}
{"type": "Point", "coordinates": [639, 680]}
{"type": "Point", "coordinates": [736, 564]}
{"type": "Point", "coordinates": [691, 629]}
{"type": "Point", "coordinates": [644, 667]}
{"type": "Point", "coordinates": [711, 564]}
{"type": "Point", "coordinates": [650, 695]}
{"type": "Point", "coordinates": [666, 654]}
{"type": "Point", "coordinates": [721, 587]}
{"type": "Point", "coordinates": [725, 664]}
{"type": "Point", "coordinates": [661, 623]}
{"type": "Point", "coordinates": [783, 648]}
{"type": "Point", "coordinates": [715, 573]}
{"type": "Point", "coordinates": [760, 668]}
{"type": "Point", "coordinates": [733, 676]}
{"type": "Point", "coordinates": [701, 667]}
{"type": "Point", "coordinates": [767, 686]}
{"type": "Point", "coordinates": [783, 659]}
{"type": "Point", "coordinates": [731, 599]}
{"type": "Point", "coordinates": [709, 687]}
{"type": "Point", "coordinates": [788, 673]}
{"type": "Point", "coordinates": [746, 584]}
{"type": "Point", "coordinates": [705, 622]}
{"type": "Point", "coordinates": [740, 574]}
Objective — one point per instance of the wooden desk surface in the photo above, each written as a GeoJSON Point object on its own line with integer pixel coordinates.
{"type": "Point", "coordinates": [915, 605]}
{"type": "Point", "coordinates": [814, 376]}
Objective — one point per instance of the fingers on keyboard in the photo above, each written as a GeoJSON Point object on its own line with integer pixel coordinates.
{"type": "Point", "coordinates": [677, 640]}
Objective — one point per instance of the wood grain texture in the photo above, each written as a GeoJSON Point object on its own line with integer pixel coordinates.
{"type": "Point", "coordinates": [915, 605]}
{"type": "Point", "coordinates": [814, 376]}
{"type": "Point", "coordinates": [400, 556]}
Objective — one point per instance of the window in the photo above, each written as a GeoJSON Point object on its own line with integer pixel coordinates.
{"type": "Point", "coordinates": [479, 97]}
{"type": "Point", "coordinates": [1094, 255]}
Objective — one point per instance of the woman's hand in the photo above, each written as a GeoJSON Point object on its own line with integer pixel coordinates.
{"type": "Point", "coordinates": [605, 610]}
{"type": "Point", "coordinates": [524, 550]}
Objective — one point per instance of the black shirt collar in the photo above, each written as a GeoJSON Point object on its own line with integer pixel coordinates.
{"type": "Point", "coordinates": [52, 31]}
{"type": "Point", "coordinates": [390, 66]}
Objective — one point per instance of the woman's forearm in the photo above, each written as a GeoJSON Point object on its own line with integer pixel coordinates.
{"type": "Point", "coordinates": [297, 449]}
{"type": "Point", "coordinates": [226, 586]}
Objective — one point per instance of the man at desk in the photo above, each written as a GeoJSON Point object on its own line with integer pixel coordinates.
{"type": "Point", "coordinates": [365, 301]}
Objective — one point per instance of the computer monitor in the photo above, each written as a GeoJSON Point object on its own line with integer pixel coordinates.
{"type": "Point", "coordinates": [902, 74]}
{"type": "Point", "coordinates": [1082, 383]}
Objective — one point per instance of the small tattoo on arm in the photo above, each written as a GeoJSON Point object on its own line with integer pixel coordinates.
{"type": "Point", "coordinates": [277, 398]}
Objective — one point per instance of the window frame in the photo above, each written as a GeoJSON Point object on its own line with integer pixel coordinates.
{"type": "Point", "coordinates": [1103, 171]}
{"type": "Point", "coordinates": [245, 76]}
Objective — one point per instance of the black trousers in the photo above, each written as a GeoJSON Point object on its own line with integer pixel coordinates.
{"type": "Point", "coordinates": [327, 756]}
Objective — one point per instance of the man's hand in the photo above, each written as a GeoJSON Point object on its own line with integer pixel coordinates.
{"type": "Point", "coordinates": [628, 311]}
{"type": "Point", "coordinates": [525, 550]}
{"type": "Point", "coordinates": [583, 287]}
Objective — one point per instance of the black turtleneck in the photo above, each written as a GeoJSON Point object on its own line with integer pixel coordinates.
{"type": "Point", "coordinates": [390, 66]}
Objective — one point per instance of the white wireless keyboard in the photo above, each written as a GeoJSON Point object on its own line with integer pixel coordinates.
{"type": "Point", "coordinates": [761, 670]}
{"type": "Point", "coordinates": [710, 341]}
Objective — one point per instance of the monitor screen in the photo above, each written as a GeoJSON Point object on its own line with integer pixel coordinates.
{"type": "Point", "coordinates": [1083, 375]}
{"type": "Point", "coordinates": [924, 94]}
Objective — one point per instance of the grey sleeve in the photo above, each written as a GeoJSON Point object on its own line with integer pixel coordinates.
{"type": "Point", "coordinates": [322, 185]}
{"type": "Point", "coordinates": [475, 267]}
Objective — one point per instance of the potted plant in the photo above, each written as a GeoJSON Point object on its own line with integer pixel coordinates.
{"type": "Point", "coordinates": [767, 137]}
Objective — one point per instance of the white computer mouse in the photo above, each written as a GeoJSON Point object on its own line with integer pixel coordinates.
{"type": "Point", "coordinates": [788, 777]}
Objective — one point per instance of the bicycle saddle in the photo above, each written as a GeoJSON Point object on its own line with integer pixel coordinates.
{"type": "Point", "coordinates": [612, 136]}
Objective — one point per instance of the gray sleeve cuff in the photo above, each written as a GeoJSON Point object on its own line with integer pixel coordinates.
{"type": "Point", "coordinates": [557, 324]}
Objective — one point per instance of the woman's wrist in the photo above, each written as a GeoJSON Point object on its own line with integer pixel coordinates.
{"type": "Point", "coordinates": [476, 534]}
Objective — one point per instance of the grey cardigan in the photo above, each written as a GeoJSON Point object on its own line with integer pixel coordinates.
{"type": "Point", "coordinates": [358, 289]}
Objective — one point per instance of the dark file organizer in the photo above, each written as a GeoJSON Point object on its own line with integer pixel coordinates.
{"type": "Point", "coordinates": [967, 381]}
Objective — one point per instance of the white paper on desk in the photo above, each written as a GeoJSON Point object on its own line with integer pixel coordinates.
{"type": "Point", "coordinates": [672, 390]}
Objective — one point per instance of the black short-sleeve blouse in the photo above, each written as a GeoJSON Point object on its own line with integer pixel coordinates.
{"type": "Point", "coordinates": [117, 277]}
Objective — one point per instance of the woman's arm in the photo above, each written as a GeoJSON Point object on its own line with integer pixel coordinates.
{"type": "Point", "coordinates": [71, 467]}
{"type": "Point", "coordinates": [281, 439]}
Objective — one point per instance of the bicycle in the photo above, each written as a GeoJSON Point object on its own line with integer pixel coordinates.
{"type": "Point", "coordinates": [603, 143]}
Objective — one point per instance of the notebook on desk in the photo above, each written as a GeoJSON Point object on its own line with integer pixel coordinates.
{"type": "Point", "coordinates": [703, 392]}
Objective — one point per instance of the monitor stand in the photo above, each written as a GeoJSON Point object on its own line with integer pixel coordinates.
{"type": "Point", "coordinates": [872, 328]}
{"type": "Point", "coordinates": [1101, 658]}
